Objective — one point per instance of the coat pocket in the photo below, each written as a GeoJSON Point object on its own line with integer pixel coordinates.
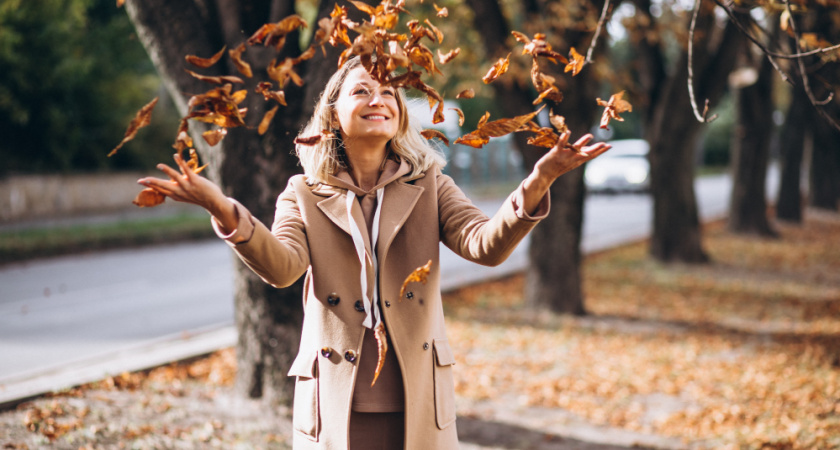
{"type": "Point", "coordinates": [444, 384]}
{"type": "Point", "coordinates": [306, 417]}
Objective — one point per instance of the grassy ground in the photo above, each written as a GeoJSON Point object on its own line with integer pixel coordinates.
{"type": "Point", "coordinates": [743, 353]}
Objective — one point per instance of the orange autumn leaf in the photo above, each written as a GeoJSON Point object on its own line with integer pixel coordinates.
{"type": "Point", "coordinates": [266, 120]}
{"type": "Point", "coordinates": [216, 79]}
{"type": "Point", "coordinates": [120, 3]}
{"type": "Point", "coordinates": [217, 106]}
{"type": "Point", "coordinates": [274, 34]}
{"type": "Point", "coordinates": [192, 162]}
{"type": "Point", "coordinates": [382, 349]}
{"type": "Point", "coordinates": [461, 117]}
{"type": "Point", "coordinates": [496, 128]}
{"type": "Point", "coordinates": [140, 120]}
{"type": "Point", "coordinates": [183, 140]}
{"type": "Point", "coordinates": [612, 108]}
{"type": "Point", "coordinates": [264, 88]}
{"type": "Point", "coordinates": [576, 61]}
{"type": "Point", "coordinates": [445, 58]}
{"type": "Point", "coordinates": [441, 12]}
{"type": "Point", "coordinates": [236, 56]}
{"type": "Point", "coordinates": [419, 275]}
{"type": "Point", "coordinates": [473, 140]}
{"type": "Point", "coordinates": [435, 134]}
{"type": "Point", "coordinates": [497, 70]}
{"type": "Point", "coordinates": [313, 140]}
{"type": "Point", "coordinates": [148, 198]}
{"type": "Point", "coordinates": [466, 93]}
{"type": "Point", "coordinates": [538, 46]}
{"type": "Point", "coordinates": [205, 62]}
{"type": "Point", "coordinates": [213, 137]}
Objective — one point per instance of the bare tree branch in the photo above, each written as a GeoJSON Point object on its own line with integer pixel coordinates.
{"type": "Point", "coordinates": [700, 117]}
{"type": "Point", "coordinates": [803, 73]}
{"type": "Point", "coordinates": [594, 42]}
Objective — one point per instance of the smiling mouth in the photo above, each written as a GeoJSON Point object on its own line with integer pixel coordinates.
{"type": "Point", "coordinates": [375, 117]}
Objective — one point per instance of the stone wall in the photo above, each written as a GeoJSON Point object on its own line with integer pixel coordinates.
{"type": "Point", "coordinates": [34, 197]}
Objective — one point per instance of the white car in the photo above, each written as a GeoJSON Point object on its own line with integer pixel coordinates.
{"type": "Point", "coordinates": [623, 168]}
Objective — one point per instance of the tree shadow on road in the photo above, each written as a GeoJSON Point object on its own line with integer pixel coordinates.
{"type": "Point", "coordinates": [499, 435]}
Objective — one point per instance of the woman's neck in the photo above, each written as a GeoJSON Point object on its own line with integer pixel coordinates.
{"type": "Point", "coordinates": [365, 167]}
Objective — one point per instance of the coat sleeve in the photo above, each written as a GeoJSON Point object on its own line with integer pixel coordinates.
{"type": "Point", "coordinates": [468, 232]}
{"type": "Point", "coordinates": [280, 255]}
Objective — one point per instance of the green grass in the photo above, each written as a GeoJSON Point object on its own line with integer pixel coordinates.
{"type": "Point", "coordinates": [24, 244]}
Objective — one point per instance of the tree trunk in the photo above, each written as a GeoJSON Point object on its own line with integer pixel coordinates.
{"type": "Point", "coordinates": [553, 278]}
{"type": "Point", "coordinates": [792, 143]}
{"type": "Point", "coordinates": [672, 133]}
{"type": "Point", "coordinates": [251, 168]}
{"type": "Point", "coordinates": [751, 152]}
{"type": "Point", "coordinates": [825, 166]}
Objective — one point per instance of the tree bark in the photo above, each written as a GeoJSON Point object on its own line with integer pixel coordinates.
{"type": "Point", "coordinates": [792, 143]}
{"type": "Point", "coordinates": [751, 153]}
{"type": "Point", "coordinates": [825, 166]}
{"type": "Point", "coordinates": [672, 133]}
{"type": "Point", "coordinates": [253, 169]}
{"type": "Point", "coordinates": [553, 277]}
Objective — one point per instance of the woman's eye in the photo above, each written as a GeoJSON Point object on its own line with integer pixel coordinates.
{"type": "Point", "coordinates": [360, 92]}
{"type": "Point", "coordinates": [390, 93]}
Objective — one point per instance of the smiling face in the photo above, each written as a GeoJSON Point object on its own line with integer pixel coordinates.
{"type": "Point", "coordinates": [367, 111]}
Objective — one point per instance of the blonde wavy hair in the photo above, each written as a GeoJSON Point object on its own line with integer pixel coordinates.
{"type": "Point", "coordinates": [326, 157]}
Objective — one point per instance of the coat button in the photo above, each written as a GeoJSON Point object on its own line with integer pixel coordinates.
{"type": "Point", "coordinates": [425, 346]}
{"type": "Point", "coordinates": [409, 295]}
{"type": "Point", "coordinates": [350, 356]}
{"type": "Point", "coordinates": [333, 299]}
{"type": "Point", "coordinates": [326, 352]}
{"type": "Point", "coordinates": [359, 306]}
{"type": "Point", "coordinates": [387, 304]}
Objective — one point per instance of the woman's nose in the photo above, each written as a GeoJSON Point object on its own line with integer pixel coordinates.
{"type": "Point", "coordinates": [375, 99]}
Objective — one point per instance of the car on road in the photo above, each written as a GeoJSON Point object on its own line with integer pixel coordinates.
{"type": "Point", "coordinates": [624, 168]}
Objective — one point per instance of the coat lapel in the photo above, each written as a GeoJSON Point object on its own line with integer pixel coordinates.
{"type": "Point", "coordinates": [335, 208]}
{"type": "Point", "coordinates": [397, 204]}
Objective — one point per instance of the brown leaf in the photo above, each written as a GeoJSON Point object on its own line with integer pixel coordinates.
{"type": "Point", "coordinates": [612, 108]}
{"type": "Point", "coordinates": [441, 12]}
{"type": "Point", "coordinates": [538, 46]}
{"type": "Point", "coordinates": [498, 69]}
{"type": "Point", "coordinates": [236, 56]}
{"type": "Point", "coordinates": [216, 106]}
{"type": "Point", "coordinates": [460, 116]}
{"type": "Point", "coordinates": [435, 134]}
{"type": "Point", "coordinates": [183, 141]}
{"type": "Point", "coordinates": [213, 137]}
{"type": "Point", "coordinates": [205, 62]}
{"type": "Point", "coordinates": [419, 275]}
{"type": "Point", "coordinates": [283, 72]}
{"type": "Point", "coordinates": [313, 140]}
{"type": "Point", "coordinates": [467, 94]}
{"type": "Point", "coordinates": [120, 3]}
{"type": "Point", "coordinates": [192, 163]}
{"type": "Point", "coordinates": [438, 34]}
{"type": "Point", "coordinates": [473, 140]}
{"type": "Point", "coordinates": [266, 120]}
{"type": "Point", "coordinates": [140, 120]}
{"type": "Point", "coordinates": [575, 63]}
{"type": "Point", "coordinates": [217, 79]}
{"type": "Point", "coordinates": [148, 198]}
{"type": "Point", "coordinates": [449, 56]}
{"type": "Point", "coordinates": [274, 34]}
{"type": "Point", "coordinates": [382, 350]}
{"type": "Point", "coordinates": [264, 88]}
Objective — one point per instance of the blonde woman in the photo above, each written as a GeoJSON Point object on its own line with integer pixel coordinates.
{"type": "Point", "coordinates": [371, 207]}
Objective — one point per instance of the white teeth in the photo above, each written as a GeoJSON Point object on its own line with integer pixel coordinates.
{"type": "Point", "coordinates": [375, 117]}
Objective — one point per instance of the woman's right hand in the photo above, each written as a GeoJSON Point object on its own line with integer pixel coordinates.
{"type": "Point", "coordinates": [189, 187]}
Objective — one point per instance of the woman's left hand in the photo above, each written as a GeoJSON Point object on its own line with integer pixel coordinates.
{"type": "Point", "coordinates": [562, 158]}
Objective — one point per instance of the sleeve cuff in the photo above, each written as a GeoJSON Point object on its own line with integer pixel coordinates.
{"type": "Point", "coordinates": [244, 228]}
{"type": "Point", "coordinates": [517, 198]}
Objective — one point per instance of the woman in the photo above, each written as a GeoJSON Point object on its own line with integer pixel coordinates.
{"type": "Point", "coordinates": [375, 185]}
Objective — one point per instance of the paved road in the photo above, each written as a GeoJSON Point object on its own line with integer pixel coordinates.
{"type": "Point", "coordinates": [77, 318]}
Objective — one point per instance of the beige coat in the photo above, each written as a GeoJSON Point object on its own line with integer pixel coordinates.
{"type": "Point", "coordinates": [311, 234]}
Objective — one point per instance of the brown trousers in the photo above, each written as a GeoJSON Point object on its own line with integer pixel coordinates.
{"type": "Point", "coordinates": [377, 431]}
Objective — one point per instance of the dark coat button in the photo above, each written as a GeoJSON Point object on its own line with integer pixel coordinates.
{"type": "Point", "coordinates": [350, 356]}
{"type": "Point", "coordinates": [387, 304]}
{"type": "Point", "coordinates": [425, 346]}
{"type": "Point", "coordinates": [326, 352]}
{"type": "Point", "coordinates": [333, 299]}
{"type": "Point", "coordinates": [409, 295]}
{"type": "Point", "coordinates": [359, 306]}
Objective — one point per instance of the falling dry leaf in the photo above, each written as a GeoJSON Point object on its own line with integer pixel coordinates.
{"type": "Point", "coordinates": [217, 79]}
{"type": "Point", "coordinates": [140, 120]}
{"type": "Point", "coordinates": [441, 12]}
{"type": "Point", "coordinates": [496, 128]}
{"type": "Point", "coordinates": [466, 94]}
{"type": "Point", "coordinates": [313, 140]}
{"type": "Point", "coordinates": [148, 198]}
{"type": "Point", "coordinates": [205, 62]}
{"type": "Point", "coordinates": [445, 58]}
{"type": "Point", "coordinates": [420, 275]}
{"type": "Point", "coordinates": [274, 34]}
{"type": "Point", "coordinates": [266, 120]}
{"type": "Point", "coordinates": [435, 134]}
{"type": "Point", "coordinates": [612, 108]}
{"type": "Point", "coordinates": [382, 349]}
{"type": "Point", "coordinates": [575, 63]}
{"type": "Point", "coordinates": [498, 69]}
{"type": "Point", "coordinates": [213, 137]}
{"type": "Point", "coordinates": [236, 56]}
